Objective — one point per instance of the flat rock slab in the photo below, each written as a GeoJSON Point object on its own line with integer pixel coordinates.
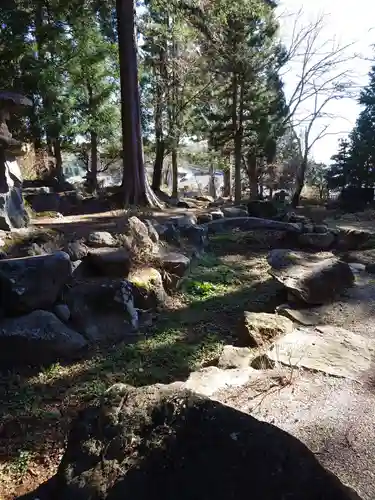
{"type": "Point", "coordinates": [364, 257]}
{"type": "Point", "coordinates": [210, 380]}
{"type": "Point", "coordinates": [333, 416]}
{"type": "Point", "coordinates": [235, 357]}
{"type": "Point", "coordinates": [259, 329]}
{"type": "Point", "coordinates": [249, 224]}
{"type": "Point", "coordinates": [327, 349]}
{"type": "Point", "coordinates": [303, 317]}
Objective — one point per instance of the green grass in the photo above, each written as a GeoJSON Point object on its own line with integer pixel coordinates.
{"type": "Point", "coordinates": [20, 464]}
{"type": "Point", "coordinates": [184, 339]}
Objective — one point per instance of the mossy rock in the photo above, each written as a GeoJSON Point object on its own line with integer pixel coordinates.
{"type": "Point", "coordinates": [149, 289]}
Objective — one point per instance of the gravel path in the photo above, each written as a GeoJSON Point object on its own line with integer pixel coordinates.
{"type": "Point", "coordinates": [333, 417]}
{"type": "Point", "coordinates": [354, 309]}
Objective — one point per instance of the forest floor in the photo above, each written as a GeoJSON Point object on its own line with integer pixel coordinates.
{"type": "Point", "coordinates": [332, 416]}
{"type": "Point", "coordinates": [39, 406]}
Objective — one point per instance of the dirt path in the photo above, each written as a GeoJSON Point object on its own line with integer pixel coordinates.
{"type": "Point", "coordinates": [333, 417]}
{"type": "Point", "coordinates": [105, 221]}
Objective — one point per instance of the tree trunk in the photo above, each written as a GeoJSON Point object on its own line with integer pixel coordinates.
{"type": "Point", "coordinates": [237, 140]}
{"type": "Point", "coordinates": [58, 159]}
{"type": "Point", "coordinates": [93, 174]}
{"type": "Point", "coordinates": [237, 119]}
{"type": "Point", "coordinates": [253, 175]}
{"type": "Point", "coordinates": [211, 182]}
{"type": "Point", "coordinates": [300, 182]}
{"type": "Point", "coordinates": [212, 185]}
{"type": "Point", "coordinates": [228, 182]}
{"type": "Point", "coordinates": [134, 178]}
{"type": "Point", "coordinates": [174, 173]}
{"type": "Point", "coordinates": [238, 166]}
{"type": "Point", "coordinates": [50, 145]}
{"type": "Point", "coordinates": [159, 133]}
{"type": "Point", "coordinates": [158, 165]}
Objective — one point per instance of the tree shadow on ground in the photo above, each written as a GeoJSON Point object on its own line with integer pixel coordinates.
{"type": "Point", "coordinates": [37, 408]}
{"type": "Point", "coordinates": [199, 449]}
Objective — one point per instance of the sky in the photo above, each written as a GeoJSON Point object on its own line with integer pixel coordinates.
{"type": "Point", "coordinates": [347, 21]}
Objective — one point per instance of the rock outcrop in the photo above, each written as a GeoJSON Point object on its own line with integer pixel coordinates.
{"type": "Point", "coordinates": [329, 349]}
{"type": "Point", "coordinates": [315, 279]}
{"type": "Point", "coordinates": [31, 283]}
{"type": "Point", "coordinates": [12, 209]}
{"type": "Point", "coordinates": [38, 338]}
{"type": "Point", "coordinates": [262, 209]}
{"type": "Point", "coordinates": [161, 442]}
{"type": "Point", "coordinates": [249, 224]}
{"type": "Point", "coordinates": [259, 329]}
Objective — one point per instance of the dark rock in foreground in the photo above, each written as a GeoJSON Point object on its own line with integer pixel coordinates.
{"type": "Point", "coordinates": [164, 443]}
{"type": "Point", "coordinates": [113, 262]}
{"type": "Point", "coordinates": [38, 338]}
{"type": "Point", "coordinates": [31, 283]}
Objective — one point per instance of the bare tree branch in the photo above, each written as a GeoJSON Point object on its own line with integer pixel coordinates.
{"type": "Point", "coordinates": [322, 76]}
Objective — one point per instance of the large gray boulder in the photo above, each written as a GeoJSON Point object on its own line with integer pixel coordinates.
{"type": "Point", "coordinates": [352, 239]}
{"type": "Point", "coordinates": [96, 313]}
{"type": "Point", "coordinates": [204, 218]}
{"type": "Point", "coordinates": [13, 214]}
{"type": "Point", "coordinates": [37, 338]}
{"type": "Point", "coordinates": [196, 236]}
{"type": "Point", "coordinates": [315, 279]}
{"type": "Point", "coordinates": [262, 208]}
{"type": "Point", "coordinates": [110, 310]}
{"type": "Point", "coordinates": [164, 443]}
{"type": "Point", "coordinates": [259, 329]}
{"type": "Point", "coordinates": [174, 263]}
{"type": "Point", "coordinates": [111, 262]}
{"type": "Point", "coordinates": [76, 249]}
{"type": "Point", "coordinates": [234, 212]}
{"type": "Point", "coordinates": [316, 241]}
{"type": "Point", "coordinates": [101, 239]}
{"type": "Point", "coordinates": [45, 202]}
{"type": "Point", "coordinates": [31, 283]}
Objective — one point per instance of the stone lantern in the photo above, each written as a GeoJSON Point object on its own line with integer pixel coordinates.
{"type": "Point", "coordinates": [12, 210]}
